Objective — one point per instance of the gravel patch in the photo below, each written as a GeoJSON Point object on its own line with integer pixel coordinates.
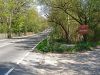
{"type": "Point", "coordinates": [87, 63]}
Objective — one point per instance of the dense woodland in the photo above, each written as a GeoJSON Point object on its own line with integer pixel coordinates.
{"type": "Point", "coordinates": [66, 16]}
{"type": "Point", "coordinates": [19, 17]}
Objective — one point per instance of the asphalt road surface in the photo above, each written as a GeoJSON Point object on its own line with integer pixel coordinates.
{"type": "Point", "coordinates": [13, 51]}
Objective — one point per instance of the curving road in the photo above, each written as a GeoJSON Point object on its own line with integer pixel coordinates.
{"type": "Point", "coordinates": [14, 50]}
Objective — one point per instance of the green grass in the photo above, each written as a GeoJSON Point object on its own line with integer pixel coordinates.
{"type": "Point", "coordinates": [58, 47]}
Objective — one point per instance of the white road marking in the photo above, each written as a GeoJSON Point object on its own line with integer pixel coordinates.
{"type": "Point", "coordinates": [23, 58]}
{"type": "Point", "coordinates": [7, 73]}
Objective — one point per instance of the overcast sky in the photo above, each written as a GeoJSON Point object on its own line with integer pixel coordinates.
{"type": "Point", "coordinates": [41, 11]}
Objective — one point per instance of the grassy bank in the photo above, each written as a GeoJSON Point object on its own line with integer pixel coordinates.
{"type": "Point", "coordinates": [58, 47]}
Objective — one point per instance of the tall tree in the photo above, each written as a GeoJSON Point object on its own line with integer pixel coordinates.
{"type": "Point", "coordinates": [81, 11]}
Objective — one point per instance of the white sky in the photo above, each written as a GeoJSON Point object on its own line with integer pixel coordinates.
{"type": "Point", "coordinates": [40, 11]}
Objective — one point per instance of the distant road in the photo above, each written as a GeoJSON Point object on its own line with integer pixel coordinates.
{"type": "Point", "coordinates": [13, 50]}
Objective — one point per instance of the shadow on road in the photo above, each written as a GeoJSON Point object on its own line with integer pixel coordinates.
{"type": "Point", "coordinates": [19, 69]}
{"type": "Point", "coordinates": [29, 42]}
{"type": "Point", "coordinates": [87, 63]}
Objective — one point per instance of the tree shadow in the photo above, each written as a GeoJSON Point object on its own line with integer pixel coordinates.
{"type": "Point", "coordinates": [18, 69]}
{"type": "Point", "coordinates": [87, 63]}
{"type": "Point", "coordinates": [28, 43]}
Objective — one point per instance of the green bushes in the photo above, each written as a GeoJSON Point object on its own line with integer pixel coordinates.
{"type": "Point", "coordinates": [42, 47]}
{"type": "Point", "coordinates": [58, 47]}
{"type": "Point", "coordinates": [84, 46]}
{"type": "Point", "coordinates": [55, 47]}
{"type": "Point", "coordinates": [98, 43]}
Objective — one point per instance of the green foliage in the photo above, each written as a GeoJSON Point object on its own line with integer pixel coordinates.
{"type": "Point", "coordinates": [20, 16]}
{"type": "Point", "coordinates": [58, 47]}
{"type": "Point", "coordinates": [65, 16]}
{"type": "Point", "coordinates": [84, 46]}
{"type": "Point", "coordinates": [42, 46]}
{"type": "Point", "coordinates": [55, 47]}
{"type": "Point", "coordinates": [68, 49]}
{"type": "Point", "coordinates": [98, 43]}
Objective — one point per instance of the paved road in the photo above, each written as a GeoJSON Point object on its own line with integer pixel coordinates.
{"type": "Point", "coordinates": [13, 51]}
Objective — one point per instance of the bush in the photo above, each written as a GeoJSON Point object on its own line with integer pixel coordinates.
{"type": "Point", "coordinates": [57, 47]}
{"type": "Point", "coordinates": [60, 41]}
{"type": "Point", "coordinates": [62, 48]}
{"type": "Point", "coordinates": [98, 43]}
{"type": "Point", "coordinates": [42, 47]}
{"type": "Point", "coordinates": [67, 49]}
{"type": "Point", "coordinates": [83, 46]}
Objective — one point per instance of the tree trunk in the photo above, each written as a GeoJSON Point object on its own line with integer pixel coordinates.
{"type": "Point", "coordinates": [96, 36]}
{"type": "Point", "coordinates": [66, 33]}
{"type": "Point", "coordinates": [25, 30]}
{"type": "Point", "coordinates": [9, 27]}
{"type": "Point", "coordinates": [85, 38]}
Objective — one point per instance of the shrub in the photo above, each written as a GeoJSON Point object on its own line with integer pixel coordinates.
{"type": "Point", "coordinates": [83, 46]}
{"type": "Point", "coordinates": [67, 49]}
{"type": "Point", "coordinates": [62, 48]}
{"type": "Point", "coordinates": [57, 47]}
{"type": "Point", "coordinates": [98, 43]}
{"type": "Point", "coordinates": [42, 47]}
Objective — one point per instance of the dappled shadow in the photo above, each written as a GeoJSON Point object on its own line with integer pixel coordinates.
{"type": "Point", "coordinates": [33, 36]}
{"type": "Point", "coordinates": [29, 42]}
{"type": "Point", "coordinates": [87, 63]}
{"type": "Point", "coordinates": [81, 69]}
{"type": "Point", "coordinates": [26, 43]}
{"type": "Point", "coordinates": [18, 69]}
{"type": "Point", "coordinates": [47, 67]}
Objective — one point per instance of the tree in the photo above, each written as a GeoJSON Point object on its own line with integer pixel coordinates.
{"type": "Point", "coordinates": [81, 11]}
{"type": "Point", "coordinates": [19, 16]}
